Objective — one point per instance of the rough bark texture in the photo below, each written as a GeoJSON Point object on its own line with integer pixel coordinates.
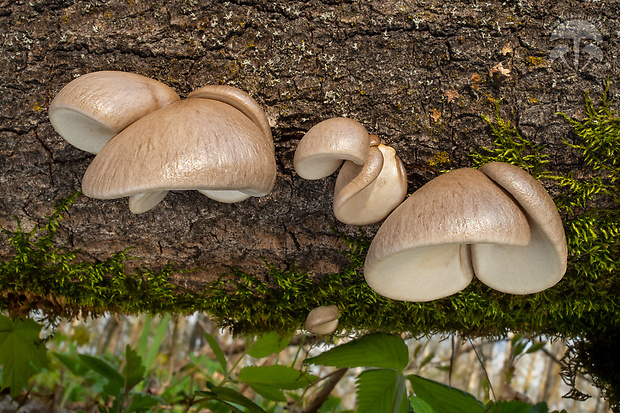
{"type": "Point", "coordinates": [417, 73]}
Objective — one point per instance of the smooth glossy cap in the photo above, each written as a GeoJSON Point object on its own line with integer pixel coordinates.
{"type": "Point", "coordinates": [327, 144]}
{"type": "Point", "coordinates": [421, 251]}
{"type": "Point", "coordinates": [542, 262]}
{"type": "Point", "coordinates": [93, 108]}
{"type": "Point", "coordinates": [199, 144]}
{"type": "Point", "coordinates": [322, 320]}
{"type": "Point", "coordinates": [367, 194]}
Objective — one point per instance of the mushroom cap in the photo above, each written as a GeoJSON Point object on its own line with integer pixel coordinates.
{"type": "Point", "coordinates": [93, 108]}
{"type": "Point", "coordinates": [367, 194]}
{"type": "Point", "coordinates": [420, 253]}
{"type": "Point", "coordinates": [199, 144]}
{"type": "Point", "coordinates": [542, 262]}
{"type": "Point", "coordinates": [327, 144]}
{"type": "Point", "coordinates": [238, 99]}
{"type": "Point", "coordinates": [322, 320]}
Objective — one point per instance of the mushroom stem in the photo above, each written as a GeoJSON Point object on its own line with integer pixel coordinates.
{"type": "Point", "coordinates": [143, 202]}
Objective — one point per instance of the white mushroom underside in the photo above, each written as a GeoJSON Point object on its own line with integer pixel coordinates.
{"type": "Point", "coordinates": [319, 166]}
{"type": "Point", "coordinates": [80, 130]}
{"type": "Point", "coordinates": [325, 328]}
{"type": "Point", "coordinates": [422, 274]}
{"type": "Point", "coordinates": [143, 202]}
{"type": "Point", "coordinates": [519, 269]}
{"type": "Point", "coordinates": [226, 196]}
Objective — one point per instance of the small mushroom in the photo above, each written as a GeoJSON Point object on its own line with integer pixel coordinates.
{"type": "Point", "coordinates": [366, 194]}
{"type": "Point", "coordinates": [322, 320]}
{"type": "Point", "coordinates": [197, 143]}
{"type": "Point", "coordinates": [93, 108]}
{"type": "Point", "coordinates": [327, 144]}
{"type": "Point", "coordinates": [422, 250]}
{"type": "Point", "coordinates": [542, 262]}
{"type": "Point", "coordinates": [372, 181]}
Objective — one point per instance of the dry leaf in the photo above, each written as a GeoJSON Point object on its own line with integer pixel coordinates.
{"type": "Point", "coordinates": [499, 68]}
{"type": "Point", "coordinates": [435, 115]}
{"type": "Point", "coordinates": [476, 78]}
{"type": "Point", "coordinates": [507, 49]}
{"type": "Point", "coordinates": [451, 94]}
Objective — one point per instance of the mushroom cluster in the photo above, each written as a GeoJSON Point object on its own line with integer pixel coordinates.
{"type": "Point", "coordinates": [148, 141]}
{"type": "Point", "coordinates": [372, 180]}
{"type": "Point", "coordinates": [497, 223]}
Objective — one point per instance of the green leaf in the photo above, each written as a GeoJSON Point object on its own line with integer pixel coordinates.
{"type": "Point", "coordinates": [217, 350]}
{"type": "Point", "coordinates": [133, 371]}
{"type": "Point", "coordinates": [444, 399]}
{"type": "Point", "coordinates": [116, 382]}
{"type": "Point", "coordinates": [536, 347]}
{"type": "Point", "coordinates": [22, 352]}
{"type": "Point", "coordinates": [420, 406]}
{"type": "Point", "coordinates": [72, 364]}
{"type": "Point", "coordinates": [279, 377]}
{"type": "Point", "coordinates": [513, 406]}
{"type": "Point", "coordinates": [153, 350]}
{"type": "Point", "coordinates": [540, 408]}
{"type": "Point", "coordinates": [224, 394]}
{"type": "Point", "coordinates": [143, 403]}
{"type": "Point", "coordinates": [144, 337]}
{"type": "Point", "coordinates": [374, 350]}
{"type": "Point", "coordinates": [269, 392]}
{"type": "Point", "coordinates": [381, 390]}
{"type": "Point", "coordinates": [268, 344]}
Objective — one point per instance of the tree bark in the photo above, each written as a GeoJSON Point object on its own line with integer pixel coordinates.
{"type": "Point", "coordinates": [417, 73]}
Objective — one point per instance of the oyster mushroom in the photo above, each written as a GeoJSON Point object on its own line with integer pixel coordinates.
{"type": "Point", "coordinates": [322, 320]}
{"type": "Point", "coordinates": [542, 262]}
{"type": "Point", "coordinates": [422, 250]}
{"type": "Point", "coordinates": [93, 108]}
{"type": "Point", "coordinates": [497, 223]}
{"type": "Point", "coordinates": [372, 181]}
{"type": "Point", "coordinates": [198, 143]}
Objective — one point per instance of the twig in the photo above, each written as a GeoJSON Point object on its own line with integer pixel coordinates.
{"type": "Point", "coordinates": [325, 391]}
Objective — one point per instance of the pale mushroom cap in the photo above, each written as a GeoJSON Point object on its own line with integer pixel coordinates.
{"type": "Point", "coordinates": [238, 99]}
{"type": "Point", "coordinates": [420, 251]}
{"type": "Point", "coordinates": [93, 108]}
{"type": "Point", "coordinates": [327, 144]}
{"type": "Point", "coordinates": [197, 144]}
{"type": "Point", "coordinates": [366, 195]}
{"type": "Point", "coordinates": [322, 320]}
{"type": "Point", "coordinates": [537, 265]}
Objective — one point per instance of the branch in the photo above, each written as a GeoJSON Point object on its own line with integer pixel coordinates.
{"type": "Point", "coordinates": [325, 391]}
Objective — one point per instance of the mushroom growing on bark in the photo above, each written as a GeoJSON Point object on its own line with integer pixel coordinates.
{"type": "Point", "coordinates": [542, 262]}
{"type": "Point", "coordinates": [372, 181]}
{"type": "Point", "coordinates": [322, 320]}
{"type": "Point", "coordinates": [93, 108]}
{"type": "Point", "coordinates": [498, 223]}
{"type": "Point", "coordinates": [216, 141]}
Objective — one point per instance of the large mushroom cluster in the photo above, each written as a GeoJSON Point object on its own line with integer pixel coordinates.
{"type": "Point", "coordinates": [497, 223]}
{"type": "Point", "coordinates": [148, 141]}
